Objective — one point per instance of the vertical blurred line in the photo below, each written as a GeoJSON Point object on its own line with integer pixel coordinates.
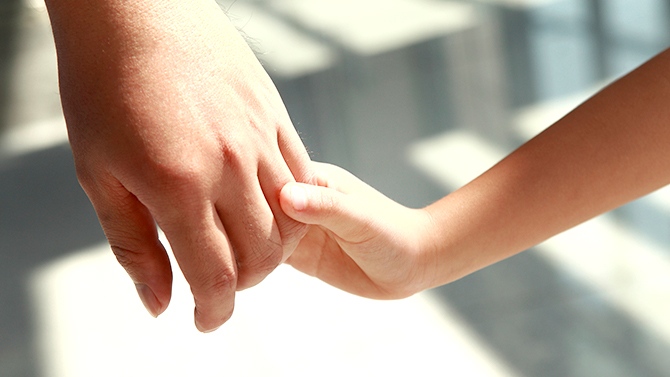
{"type": "Point", "coordinates": [597, 14]}
{"type": "Point", "coordinates": [16, 330]}
{"type": "Point", "coordinates": [515, 25]}
{"type": "Point", "coordinates": [9, 12]}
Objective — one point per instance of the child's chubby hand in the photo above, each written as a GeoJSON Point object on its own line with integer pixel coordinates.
{"type": "Point", "coordinates": [359, 240]}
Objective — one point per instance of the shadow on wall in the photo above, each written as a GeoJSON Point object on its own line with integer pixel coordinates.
{"type": "Point", "coordinates": [545, 323]}
{"type": "Point", "coordinates": [44, 214]}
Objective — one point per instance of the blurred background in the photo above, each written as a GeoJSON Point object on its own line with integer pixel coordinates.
{"type": "Point", "coordinates": [416, 97]}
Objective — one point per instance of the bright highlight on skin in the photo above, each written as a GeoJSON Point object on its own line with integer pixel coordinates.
{"type": "Point", "coordinates": [298, 198]}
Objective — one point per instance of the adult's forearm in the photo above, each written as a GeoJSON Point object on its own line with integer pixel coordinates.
{"type": "Point", "coordinates": [122, 48]}
{"type": "Point", "coordinates": [134, 27]}
{"type": "Point", "coordinates": [96, 14]}
{"type": "Point", "coordinates": [612, 149]}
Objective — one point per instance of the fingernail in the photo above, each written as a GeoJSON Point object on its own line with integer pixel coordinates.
{"type": "Point", "coordinates": [149, 299]}
{"type": "Point", "coordinates": [205, 330]}
{"type": "Point", "coordinates": [201, 328]}
{"type": "Point", "coordinates": [298, 198]}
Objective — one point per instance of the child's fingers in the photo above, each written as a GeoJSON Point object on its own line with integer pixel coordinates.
{"type": "Point", "coordinates": [327, 207]}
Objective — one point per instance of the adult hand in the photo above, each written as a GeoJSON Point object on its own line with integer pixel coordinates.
{"type": "Point", "coordinates": [359, 240]}
{"type": "Point", "coordinates": [173, 121]}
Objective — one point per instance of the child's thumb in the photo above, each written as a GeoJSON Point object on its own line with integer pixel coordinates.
{"type": "Point", "coordinates": [323, 206]}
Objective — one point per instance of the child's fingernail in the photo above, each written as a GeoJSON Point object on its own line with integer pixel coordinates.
{"type": "Point", "coordinates": [149, 299]}
{"type": "Point", "coordinates": [298, 198]}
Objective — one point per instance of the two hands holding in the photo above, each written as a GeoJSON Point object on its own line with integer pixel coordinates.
{"type": "Point", "coordinates": [174, 123]}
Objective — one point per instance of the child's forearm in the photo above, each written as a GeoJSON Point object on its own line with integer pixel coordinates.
{"type": "Point", "coordinates": [612, 149]}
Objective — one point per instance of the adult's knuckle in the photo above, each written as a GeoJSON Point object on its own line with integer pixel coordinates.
{"type": "Point", "coordinates": [217, 283]}
{"type": "Point", "coordinates": [233, 155]}
{"type": "Point", "coordinates": [291, 231]}
{"type": "Point", "coordinates": [127, 258]}
{"type": "Point", "coordinates": [86, 175]}
{"type": "Point", "coordinates": [180, 180]}
{"type": "Point", "coordinates": [258, 256]}
{"type": "Point", "coordinates": [264, 260]}
{"type": "Point", "coordinates": [180, 173]}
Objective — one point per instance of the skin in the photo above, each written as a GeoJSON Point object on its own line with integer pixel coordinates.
{"type": "Point", "coordinates": [173, 122]}
{"type": "Point", "coordinates": [610, 150]}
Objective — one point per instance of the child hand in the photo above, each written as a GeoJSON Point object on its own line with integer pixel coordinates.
{"type": "Point", "coordinates": [358, 240]}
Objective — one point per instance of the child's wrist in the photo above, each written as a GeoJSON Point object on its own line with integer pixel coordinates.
{"type": "Point", "coordinates": [427, 249]}
{"type": "Point", "coordinates": [445, 246]}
